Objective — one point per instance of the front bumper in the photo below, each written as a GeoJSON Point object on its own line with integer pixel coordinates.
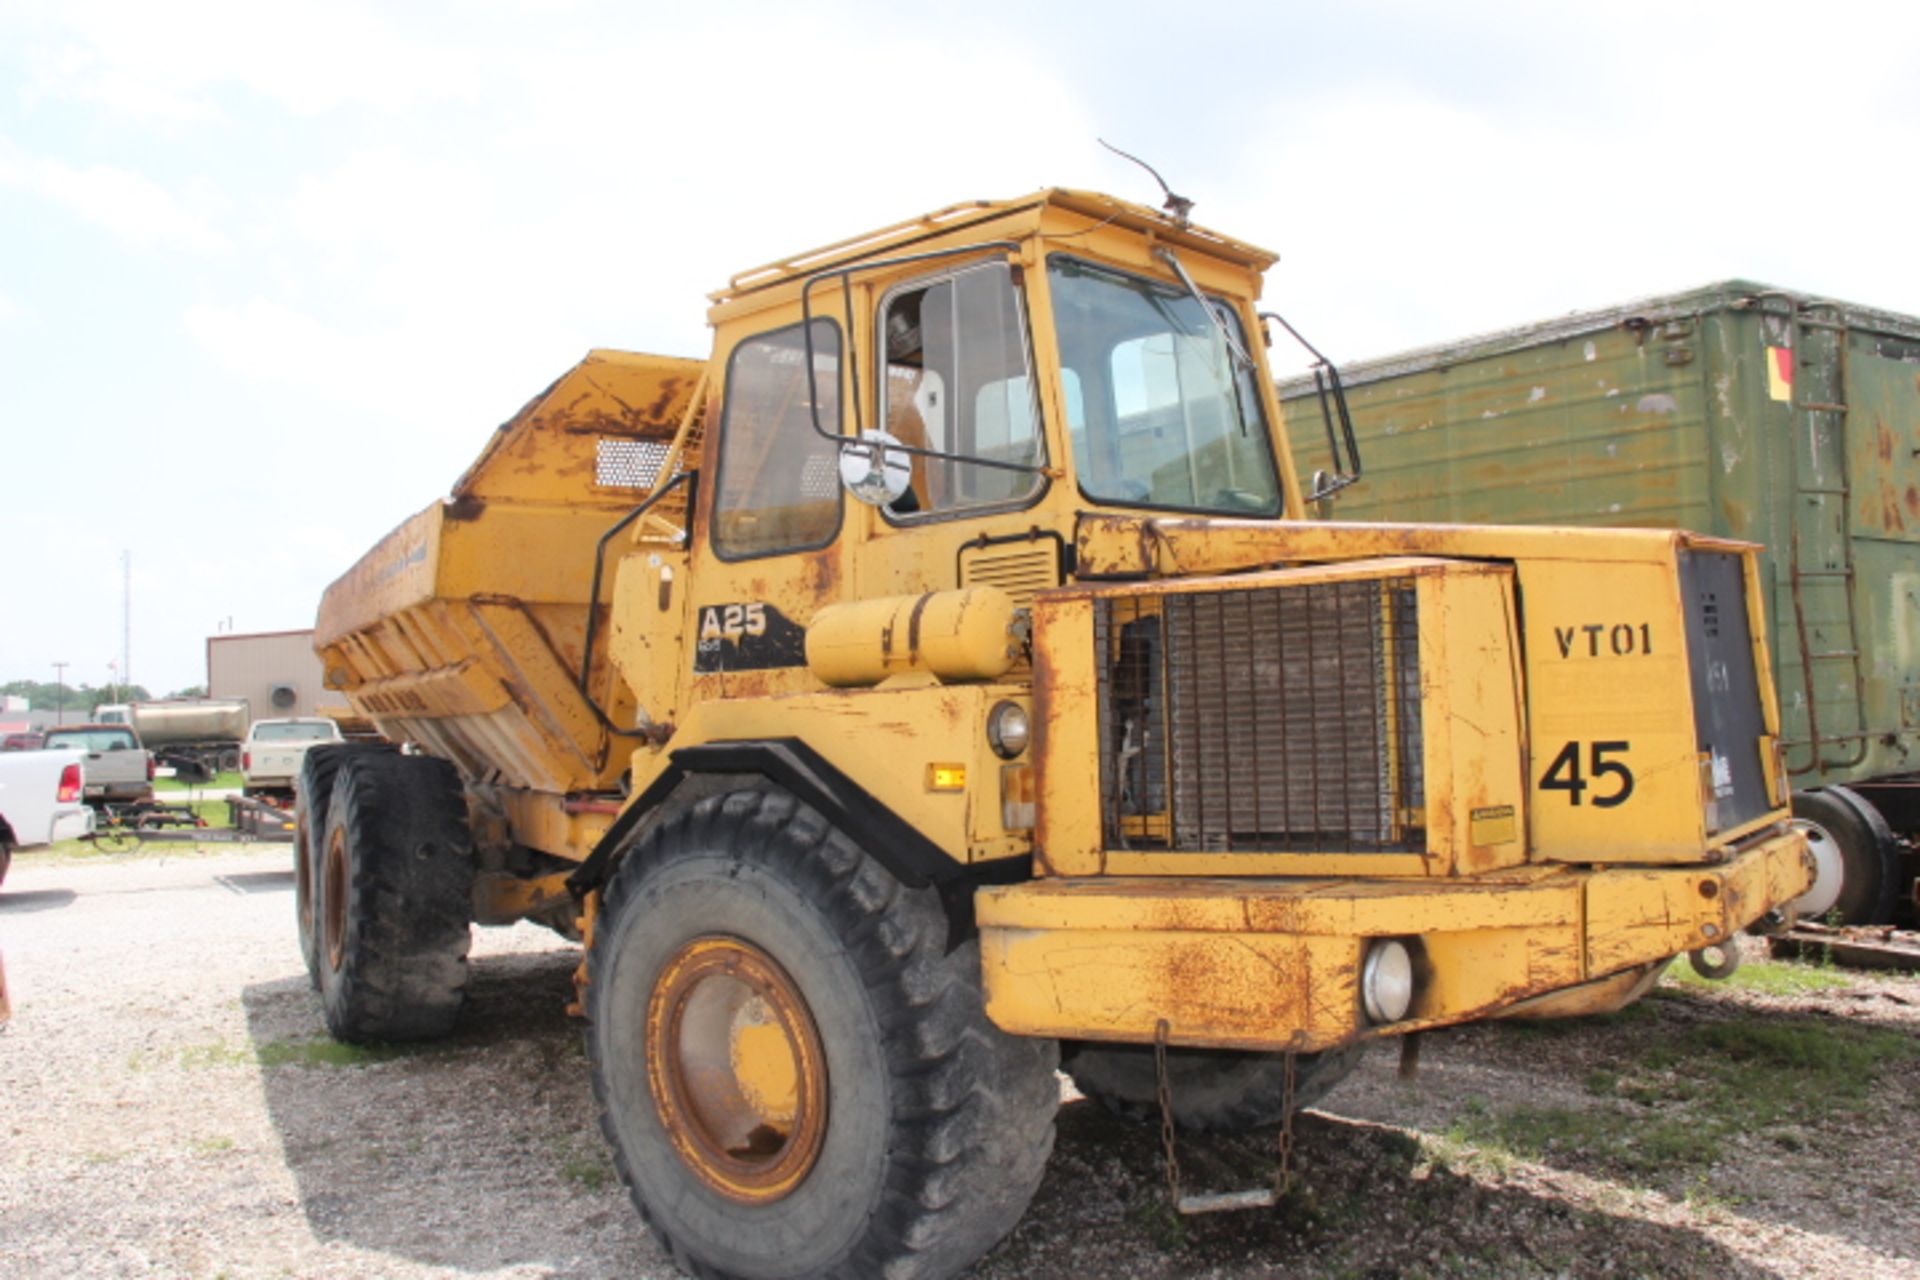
{"type": "Point", "coordinates": [1276, 963]}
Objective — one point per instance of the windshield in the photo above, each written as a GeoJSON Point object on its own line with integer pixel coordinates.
{"type": "Point", "coordinates": [92, 739]}
{"type": "Point", "coordinates": [295, 731]}
{"type": "Point", "coordinates": [1160, 412]}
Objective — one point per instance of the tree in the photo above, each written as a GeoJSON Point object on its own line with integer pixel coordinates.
{"type": "Point", "coordinates": [45, 695]}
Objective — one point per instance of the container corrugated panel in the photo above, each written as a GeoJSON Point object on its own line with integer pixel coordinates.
{"type": "Point", "coordinates": [1735, 409]}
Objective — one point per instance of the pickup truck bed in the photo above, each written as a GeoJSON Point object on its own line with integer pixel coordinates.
{"type": "Point", "coordinates": [118, 768]}
{"type": "Point", "coordinates": [40, 800]}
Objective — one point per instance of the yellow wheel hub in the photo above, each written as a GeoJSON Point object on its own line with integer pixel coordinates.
{"type": "Point", "coordinates": [734, 1062]}
{"type": "Point", "coordinates": [334, 876]}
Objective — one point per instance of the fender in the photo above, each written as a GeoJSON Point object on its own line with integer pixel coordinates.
{"type": "Point", "coordinates": [913, 859]}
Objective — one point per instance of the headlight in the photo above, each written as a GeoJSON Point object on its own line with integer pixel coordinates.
{"type": "Point", "coordinates": [1008, 729]}
{"type": "Point", "coordinates": [1386, 983]}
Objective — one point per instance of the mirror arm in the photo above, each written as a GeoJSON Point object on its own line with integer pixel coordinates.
{"type": "Point", "coordinates": [1326, 377]}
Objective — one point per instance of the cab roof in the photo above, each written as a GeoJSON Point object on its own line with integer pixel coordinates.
{"type": "Point", "coordinates": [1099, 208]}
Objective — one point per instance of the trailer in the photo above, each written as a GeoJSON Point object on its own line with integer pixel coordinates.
{"type": "Point", "coordinates": [1737, 409]}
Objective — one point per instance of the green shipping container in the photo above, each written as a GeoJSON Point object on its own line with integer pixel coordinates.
{"type": "Point", "coordinates": [1738, 410]}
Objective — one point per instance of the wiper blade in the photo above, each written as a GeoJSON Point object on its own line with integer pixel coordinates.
{"type": "Point", "coordinates": [1238, 351]}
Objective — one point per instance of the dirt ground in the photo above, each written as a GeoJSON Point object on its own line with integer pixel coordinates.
{"type": "Point", "coordinates": [170, 1106]}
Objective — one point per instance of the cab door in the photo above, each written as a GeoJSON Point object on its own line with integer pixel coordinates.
{"type": "Point", "coordinates": [773, 514]}
{"type": "Point", "coordinates": [956, 377]}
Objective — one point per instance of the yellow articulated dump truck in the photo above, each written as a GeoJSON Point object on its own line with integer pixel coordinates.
{"type": "Point", "coordinates": [944, 684]}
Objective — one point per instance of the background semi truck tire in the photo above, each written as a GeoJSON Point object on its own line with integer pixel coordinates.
{"type": "Point", "coordinates": [1214, 1090]}
{"type": "Point", "coordinates": [908, 1133]}
{"type": "Point", "coordinates": [394, 901]}
{"type": "Point", "coordinates": [317, 771]}
{"type": "Point", "coordinates": [1870, 860]}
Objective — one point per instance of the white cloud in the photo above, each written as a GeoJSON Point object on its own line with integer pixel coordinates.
{"type": "Point", "coordinates": [10, 310]}
{"type": "Point", "coordinates": [167, 65]}
{"type": "Point", "coordinates": [1404, 218]}
{"type": "Point", "coordinates": [133, 208]}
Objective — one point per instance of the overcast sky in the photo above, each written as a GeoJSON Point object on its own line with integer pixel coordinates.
{"type": "Point", "coordinates": [271, 272]}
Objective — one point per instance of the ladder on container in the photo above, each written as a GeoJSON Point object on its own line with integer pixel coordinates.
{"type": "Point", "coordinates": [1814, 485]}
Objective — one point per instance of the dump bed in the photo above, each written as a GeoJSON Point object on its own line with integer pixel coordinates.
{"type": "Point", "coordinates": [1736, 409]}
{"type": "Point", "coordinates": [464, 629]}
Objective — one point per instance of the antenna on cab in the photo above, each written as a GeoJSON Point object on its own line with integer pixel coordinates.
{"type": "Point", "coordinates": [1179, 206]}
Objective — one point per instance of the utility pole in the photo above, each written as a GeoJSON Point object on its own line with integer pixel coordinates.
{"type": "Point", "coordinates": [126, 616]}
{"type": "Point", "coordinates": [60, 698]}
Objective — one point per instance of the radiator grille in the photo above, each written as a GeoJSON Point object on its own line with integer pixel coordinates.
{"type": "Point", "coordinates": [1277, 719]}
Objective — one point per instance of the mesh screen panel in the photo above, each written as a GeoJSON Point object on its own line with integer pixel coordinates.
{"type": "Point", "coordinates": [628, 464]}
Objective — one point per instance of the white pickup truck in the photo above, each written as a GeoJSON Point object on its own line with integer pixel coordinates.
{"type": "Point", "coordinates": [271, 756]}
{"type": "Point", "coordinates": [40, 800]}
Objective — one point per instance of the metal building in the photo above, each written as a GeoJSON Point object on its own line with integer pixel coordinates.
{"type": "Point", "coordinates": [275, 671]}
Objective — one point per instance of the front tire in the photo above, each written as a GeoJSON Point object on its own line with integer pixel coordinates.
{"type": "Point", "coordinates": [796, 1076]}
{"type": "Point", "coordinates": [1214, 1090]}
{"type": "Point", "coordinates": [393, 901]}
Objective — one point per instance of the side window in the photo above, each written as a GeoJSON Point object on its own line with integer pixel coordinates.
{"type": "Point", "coordinates": [779, 484]}
{"type": "Point", "coordinates": [958, 380]}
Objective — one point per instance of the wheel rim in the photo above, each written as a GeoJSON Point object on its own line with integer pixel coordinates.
{"type": "Point", "coordinates": [736, 1069]}
{"type": "Point", "coordinates": [1830, 872]}
{"type": "Point", "coordinates": [334, 877]}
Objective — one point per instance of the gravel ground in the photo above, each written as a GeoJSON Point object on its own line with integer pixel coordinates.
{"type": "Point", "coordinates": [173, 1108]}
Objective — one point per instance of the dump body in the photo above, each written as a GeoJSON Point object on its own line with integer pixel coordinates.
{"type": "Point", "coordinates": [465, 629]}
{"type": "Point", "coordinates": [1736, 409]}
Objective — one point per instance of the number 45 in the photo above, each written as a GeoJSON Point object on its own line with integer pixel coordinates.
{"type": "Point", "coordinates": [1564, 773]}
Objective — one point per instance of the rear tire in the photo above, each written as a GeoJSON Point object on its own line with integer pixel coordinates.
{"type": "Point", "coordinates": [1214, 1090]}
{"type": "Point", "coordinates": [317, 772]}
{"type": "Point", "coordinates": [867, 1119]}
{"type": "Point", "coordinates": [1870, 879]}
{"type": "Point", "coordinates": [393, 905]}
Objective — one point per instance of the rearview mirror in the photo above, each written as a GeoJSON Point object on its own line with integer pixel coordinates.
{"type": "Point", "coordinates": [873, 470]}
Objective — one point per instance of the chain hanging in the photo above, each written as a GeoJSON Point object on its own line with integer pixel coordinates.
{"type": "Point", "coordinates": [1283, 1169]}
{"type": "Point", "coordinates": [1163, 1093]}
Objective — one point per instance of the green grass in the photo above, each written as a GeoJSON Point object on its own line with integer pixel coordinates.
{"type": "Point", "coordinates": [223, 781]}
{"type": "Point", "coordinates": [589, 1173]}
{"type": "Point", "coordinates": [1765, 977]}
{"type": "Point", "coordinates": [1673, 1110]}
